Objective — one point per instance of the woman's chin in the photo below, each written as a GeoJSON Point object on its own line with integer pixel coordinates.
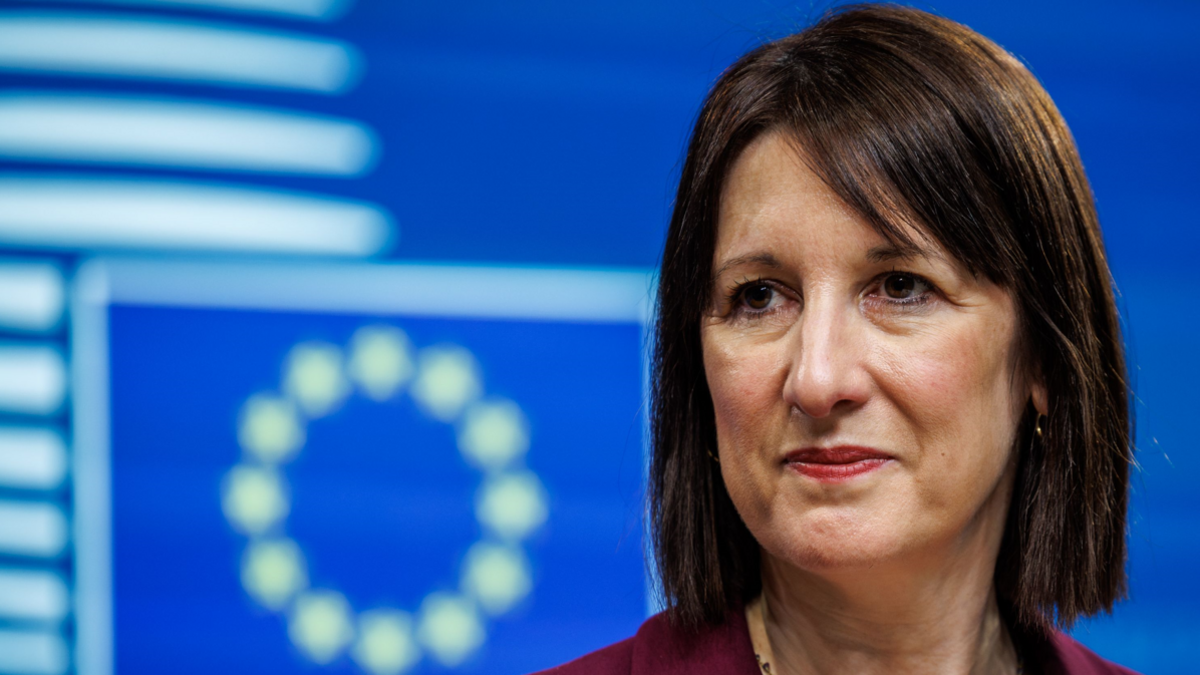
{"type": "Point", "coordinates": [829, 543]}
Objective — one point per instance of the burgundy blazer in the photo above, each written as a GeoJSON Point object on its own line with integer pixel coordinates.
{"type": "Point", "coordinates": [660, 649]}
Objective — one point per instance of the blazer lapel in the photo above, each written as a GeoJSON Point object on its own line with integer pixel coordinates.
{"type": "Point", "coordinates": [662, 649]}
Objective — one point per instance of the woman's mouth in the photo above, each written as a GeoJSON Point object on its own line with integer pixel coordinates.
{"type": "Point", "coordinates": [836, 464]}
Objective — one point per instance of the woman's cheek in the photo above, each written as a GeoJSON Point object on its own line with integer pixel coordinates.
{"type": "Point", "coordinates": [932, 373]}
{"type": "Point", "coordinates": [744, 385]}
{"type": "Point", "coordinates": [951, 389]}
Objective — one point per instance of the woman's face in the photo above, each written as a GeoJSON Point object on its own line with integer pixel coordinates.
{"type": "Point", "coordinates": [866, 397]}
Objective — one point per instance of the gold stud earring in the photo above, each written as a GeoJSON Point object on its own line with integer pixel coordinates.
{"type": "Point", "coordinates": [714, 457]}
{"type": "Point", "coordinates": [1037, 426]}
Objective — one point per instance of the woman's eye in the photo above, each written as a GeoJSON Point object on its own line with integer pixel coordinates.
{"type": "Point", "coordinates": [904, 286]}
{"type": "Point", "coordinates": [758, 296]}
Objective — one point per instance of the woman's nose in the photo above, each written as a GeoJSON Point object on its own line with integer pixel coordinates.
{"type": "Point", "coordinates": [826, 371]}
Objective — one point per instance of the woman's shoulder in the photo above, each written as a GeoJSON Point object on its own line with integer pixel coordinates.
{"type": "Point", "coordinates": [1062, 655]}
{"type": "Point", "coordinates": [615, 659]}
{"type": "Point", "coordinates": [661, 647]}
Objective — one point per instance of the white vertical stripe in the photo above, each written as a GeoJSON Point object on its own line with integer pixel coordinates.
{"type": "Point", "coordinates": [92, 521]}
{"type": "Point", "coordinates": [33, 379]}
{"type": "Point", "coordinates": [174, 50]}
{"type": "Point", "coordinates": [33, 595]}
{"type": "Point", "coordinates": [31, 295]}
{"type": "Point", "coordinates": [31, 458]}
{"type": "Point", "coordinates": [28, 652]}
{"type": "Point", "coordinates": [32, 529]}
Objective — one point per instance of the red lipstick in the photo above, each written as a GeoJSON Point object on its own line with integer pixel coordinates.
{"type": "Point", "coordinates": [836, 464]}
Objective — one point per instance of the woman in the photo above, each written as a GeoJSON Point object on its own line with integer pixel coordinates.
{"type": "Point", "coordinates": [890, 425]}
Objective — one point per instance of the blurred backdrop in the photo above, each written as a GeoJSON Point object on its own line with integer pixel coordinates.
{"type": "Point", "coordinates": [322, 322]}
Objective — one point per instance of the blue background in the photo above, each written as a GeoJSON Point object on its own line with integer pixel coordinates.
{"type": "Point", "coordinates": [381, 498]}
{"type": "Point", "coordinates": [538, 132]}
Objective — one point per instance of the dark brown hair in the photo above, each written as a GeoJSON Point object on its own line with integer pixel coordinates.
{"type": "Point", "coordinates": [910, 117]}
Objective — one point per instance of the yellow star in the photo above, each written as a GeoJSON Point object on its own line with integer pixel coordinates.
{"type": "Point", "coordinates": [450, 629]}
{"type": "Point", "coordinates": [386, 645]}
{"type": "Point", "coordinates": [320, 625]}
{"type": "Point", "coordinates": [270, 429]}
{"type": "Point", "coordinates": [511, 505]}
{"type": "Point", "coordinates": [493, 434]}
{"type": "Point", "coordinates": [497, 576]}
{"type": "Point", "coordinates": [380, 360]}
{"type": "Point", "coordinates": [313, 378]}
{"type": "Point", "coordinates": [273, 571]}
{"type": "Point", "coordinates": [447, 380]}
{"type": "Point", "coordinates": [253, 499]}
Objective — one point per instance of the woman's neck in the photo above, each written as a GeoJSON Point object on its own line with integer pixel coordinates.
{"type": "Point", "coordinates": [943, 619]}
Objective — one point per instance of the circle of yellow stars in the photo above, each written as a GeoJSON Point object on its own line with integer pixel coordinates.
{"type": "Point", "coordinates": [492, 434]}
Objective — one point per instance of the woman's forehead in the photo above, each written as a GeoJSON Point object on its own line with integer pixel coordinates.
{"type": "Point", "coordinates": [773, 201]}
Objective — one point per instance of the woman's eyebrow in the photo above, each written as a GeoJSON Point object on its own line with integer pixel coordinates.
{"type": "Point", "coordinates": [763, 259]}
{"type": "Point", "coordinates": [888, 252]}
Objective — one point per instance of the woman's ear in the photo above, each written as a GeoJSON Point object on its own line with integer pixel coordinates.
{"type": "Point", "coordinates": [1038, 394]}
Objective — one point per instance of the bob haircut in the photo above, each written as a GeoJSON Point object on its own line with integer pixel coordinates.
{"type": "Point", "coordinates": [911, 118]}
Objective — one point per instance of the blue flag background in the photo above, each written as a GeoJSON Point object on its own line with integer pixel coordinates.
{"type": "Point", "coordinates": [527, 138]}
